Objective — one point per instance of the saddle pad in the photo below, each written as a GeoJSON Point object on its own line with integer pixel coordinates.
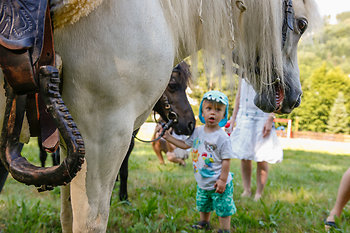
{"type": "Point", "coordinates": [70, 11]}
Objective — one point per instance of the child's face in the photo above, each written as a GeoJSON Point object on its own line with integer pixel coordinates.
{"type": "Point", "coordinates": [213, 113]}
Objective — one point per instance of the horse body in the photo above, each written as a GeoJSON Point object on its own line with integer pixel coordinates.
{"type": "Point", "coordinates": [99, 63]}
{"type": "Point", "coordinates": [109, 59]}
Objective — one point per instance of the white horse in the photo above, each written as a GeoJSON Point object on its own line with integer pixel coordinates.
{"type": "Point", "coordinates": [110, 84]}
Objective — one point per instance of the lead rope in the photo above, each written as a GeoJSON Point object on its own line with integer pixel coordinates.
{"type": "Point", "coordinates": [165, 127]}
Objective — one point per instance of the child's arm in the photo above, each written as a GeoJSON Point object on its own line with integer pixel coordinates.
{"type": "Point", "coordinates": [179, 143]}
{"type": "Point", "coordinates": [220, 184]}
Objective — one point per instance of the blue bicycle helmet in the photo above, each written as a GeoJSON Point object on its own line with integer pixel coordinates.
{"type": "Point", "coordinates": [216, 96]}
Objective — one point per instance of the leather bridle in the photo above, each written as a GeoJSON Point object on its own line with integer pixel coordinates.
{"type": "Point", "coordinates": [171, 118]}
{"type": "Point", "coordinates": [288, 21]}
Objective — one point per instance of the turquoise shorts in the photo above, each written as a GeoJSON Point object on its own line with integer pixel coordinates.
{"type": "Point", "coordinates": [209, 200]}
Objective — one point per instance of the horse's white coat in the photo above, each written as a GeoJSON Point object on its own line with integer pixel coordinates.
{"type": "Point", "coordinates": [108, 89]}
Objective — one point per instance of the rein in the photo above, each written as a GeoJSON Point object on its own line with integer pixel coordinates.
{"type": "Point", "coordinates": [165, 127]}
{"type": "Point", "coordinates": [171, 116]}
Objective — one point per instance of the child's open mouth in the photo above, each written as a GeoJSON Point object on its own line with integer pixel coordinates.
{"type": "Point", "coordinates": [211, 119]}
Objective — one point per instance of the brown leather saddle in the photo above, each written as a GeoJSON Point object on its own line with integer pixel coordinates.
{"type": "Point", "coordinates": [27, 58]}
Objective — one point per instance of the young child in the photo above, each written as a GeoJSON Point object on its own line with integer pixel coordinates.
{"type": "Point", "coordinates": [211, 153]}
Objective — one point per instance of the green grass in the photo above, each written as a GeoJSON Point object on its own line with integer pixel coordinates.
{"type": "Point", "coordinates": [299, 193]}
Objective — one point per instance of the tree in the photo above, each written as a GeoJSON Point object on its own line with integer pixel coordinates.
{"type": "Point", "coordinates": [338, 117]}
{"type": "Point", "coordinates": [320, 92]}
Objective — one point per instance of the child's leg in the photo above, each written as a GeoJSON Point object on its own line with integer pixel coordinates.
{"type": "Point", "coordinates": [204, 221]}
{"type": "Point", "coordinates": [246, 167]}
{"type": "Point", "coordinates": [225, 223]}
{"type": "Point", "coordinates": [262, 171]}
{"type": "Point", "coordinates": [225, 207]}
{"type": "Point", "coordinates": [204, 216]}
{"type": "Point", "coordinates": [204, 206]}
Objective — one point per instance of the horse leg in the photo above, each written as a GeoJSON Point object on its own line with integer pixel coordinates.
{"type": "Point", "coordinates": [66, 207]}
{"type": "Point", "coordinates": [4, 172]}
{"type": "Point", "coordinates": [124, 170]}
{"type": "Point", "coordinates": [56, 157]}
{"type": "Point", "coordinates": [43, 153]}
{"type": "Point", "coordinates": [66, 210]}
{"type": "Point", "coordinates": [3, 176]}
{"type": "Point", "coordinates": [91, 189]}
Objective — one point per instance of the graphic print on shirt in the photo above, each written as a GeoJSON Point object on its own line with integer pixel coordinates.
{"type": "Point", "coordinates": [195, 154]}
{"type": "Point", "coordinates": [208, 160]}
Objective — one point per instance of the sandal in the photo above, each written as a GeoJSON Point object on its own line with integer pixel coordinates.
{"type": "Point", "coordinates": [201, 225]}
{"type": "Point", "coordinates": [330, 224]}
{"type": "Point", "coordinates": [223, 231]}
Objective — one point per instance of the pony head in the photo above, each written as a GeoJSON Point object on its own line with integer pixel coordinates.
{"type": "Point", "coordinates": [267, 50]}
{"type": "Point", "coordinates": [263, 35]}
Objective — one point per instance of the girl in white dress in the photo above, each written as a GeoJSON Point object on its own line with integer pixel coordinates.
{"type": "Point", "coordinates": [253, 138]}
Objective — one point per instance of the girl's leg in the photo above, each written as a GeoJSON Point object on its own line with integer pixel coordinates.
{"type": "Point", "coordinates": [342, 198]}
{"type": "Point", "coordinates": [172, 158]}
{"type": "Point", "coordinates": [262, 171]}
{"type": "Point", "coordinates": [225, 223]}
{"type": "Point", "coordinates": [246, 167]}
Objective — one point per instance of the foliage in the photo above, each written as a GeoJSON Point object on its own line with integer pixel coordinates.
{"type": "Point", "coordinates": [299, 193]}
{"type": "Point", "coordinates": [320, 92]}
{"type": "Point", "coordinates": [338, 118]}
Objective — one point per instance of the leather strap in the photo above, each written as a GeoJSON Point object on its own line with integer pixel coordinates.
{"type": "Point", "coordinates": [21, 41]}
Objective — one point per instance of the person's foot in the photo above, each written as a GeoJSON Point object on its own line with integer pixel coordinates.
{"type": "Point", "coordinates": [246, 194]}
{"type": "Point", "coordinates": [182, 163]}
{"type": "Point", "coordinates": [201, 225]}
{"type": "Point", "coordinates": [329, 223]}
{"type": "Point", "coordinates": [257, 197]}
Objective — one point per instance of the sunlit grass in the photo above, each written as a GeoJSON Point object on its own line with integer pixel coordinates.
{"type": "Point", "coordinates": [299, 193]}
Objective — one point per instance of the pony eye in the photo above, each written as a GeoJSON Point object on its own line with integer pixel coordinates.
{"type": "Point", "coordinates": [172, 86]}
{"type": "Point", "coordinates": [302, 25]}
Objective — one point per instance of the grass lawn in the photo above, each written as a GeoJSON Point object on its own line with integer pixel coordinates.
{"type": "Point", "coordinates": [299, 193]}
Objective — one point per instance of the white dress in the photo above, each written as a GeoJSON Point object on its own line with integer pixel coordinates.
{"type": "Point", "coordinates": [247, 139]}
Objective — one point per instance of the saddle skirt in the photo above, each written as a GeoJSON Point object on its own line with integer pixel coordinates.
{"type": "Point", "coordinates": [70, 11]}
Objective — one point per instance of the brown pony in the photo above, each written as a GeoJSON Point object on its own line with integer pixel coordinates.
{"type": "Point", "coordinates": [173, 105]}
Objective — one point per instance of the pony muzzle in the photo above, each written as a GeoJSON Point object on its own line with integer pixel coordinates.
{"type": "Point", "coordinates": [172, 116]}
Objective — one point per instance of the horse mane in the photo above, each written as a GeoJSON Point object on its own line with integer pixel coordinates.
{"type": "Point", "coordinates": [70, 11]}
{"type": "Point", "coordinates": [222, 26]}
{"type": "Point", "coordinates": [185, 74]}
{"type": "Point", "coordinates": [198, 24]}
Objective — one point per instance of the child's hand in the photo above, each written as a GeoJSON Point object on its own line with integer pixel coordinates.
{"type": "Point", "coordinates": [220, 186]}
{"type": "Point", "coordinates": [167, 134]}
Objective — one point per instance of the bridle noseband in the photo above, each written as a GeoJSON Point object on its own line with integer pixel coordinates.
{"type": "Point", "coordinates": [170, 114]}
{"type": "Point", "coordinates": [172, 118]}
